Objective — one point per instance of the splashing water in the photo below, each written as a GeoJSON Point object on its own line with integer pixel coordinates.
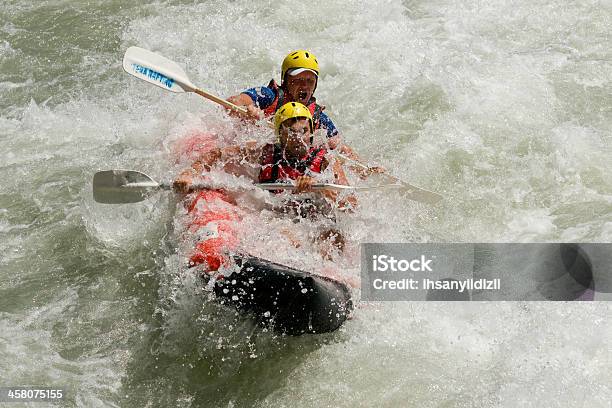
{"type": "Point", "coordinates": [501, 107]}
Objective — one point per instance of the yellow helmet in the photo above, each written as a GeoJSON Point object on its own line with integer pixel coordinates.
{"type": "Point", "coordinates": [291, 110]}
{"type": "Point", "coordinates": [300, 59]}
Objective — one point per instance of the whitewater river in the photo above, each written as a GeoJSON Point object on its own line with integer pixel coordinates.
{"type": "Point", "coordinates": [503, 107]}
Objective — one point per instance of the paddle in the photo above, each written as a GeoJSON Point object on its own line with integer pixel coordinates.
{"type": "Point", "coordinates": [166, 74]}
{"type": "Point", "coordinates": [130, 186]}
{"type": "Point", "coordinates": [413, 192]}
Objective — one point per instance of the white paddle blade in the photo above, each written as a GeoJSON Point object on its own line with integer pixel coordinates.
{"type": "Point", "coordinates": [412, 192]}
{"type": "Point", "coordinates": [122, 186]}
{"type": "Point", "coordinates": [156, 70]}
{"type": "Point", "coordinates": [423, 196]}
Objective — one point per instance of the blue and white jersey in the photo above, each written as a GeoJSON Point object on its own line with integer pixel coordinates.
{"type": "Point", "coordinates": [264, 96]}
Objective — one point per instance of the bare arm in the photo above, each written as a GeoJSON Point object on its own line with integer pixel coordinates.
{"type": "Point", "coordinates": [360, 168]}
{"type": "Point", "coordinates": [241, 100]}
{"type": "Point", "coordinates": [304, 184]}
{"type": "Point", "coordinates": [350, 202]}
{"type": "Point", "coordinates": [244, 100]}
{"type": "Point", "coordinates": [249, 153]}
{"type": "Point", "coordinates": [233, 155]}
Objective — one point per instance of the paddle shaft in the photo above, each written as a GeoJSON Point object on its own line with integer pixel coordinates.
{"type": "Point", "coordinates": [263, 186]}
{"type": "Point", "coordinates": [130, 186]}
{"type": "Point", "coordinates": [220, 101]}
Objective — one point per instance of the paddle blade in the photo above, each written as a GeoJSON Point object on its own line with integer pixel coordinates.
{"type": "Point", "coordinates": [122, 186]}
{"type": "Point", "coordinates": [409, 191]}
{"type": "Point", "coordinates": [421, 195]}
{"type": "Point", "coordinates": [156, 70]}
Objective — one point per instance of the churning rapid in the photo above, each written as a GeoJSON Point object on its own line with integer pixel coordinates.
{"type": "Point", "coordinates": [502, 107]}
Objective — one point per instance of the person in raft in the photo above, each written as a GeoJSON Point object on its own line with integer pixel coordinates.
{"type": "Point", "coordinates": [299, 80]}
{"type": "Point", "coordinates": [293, 159]}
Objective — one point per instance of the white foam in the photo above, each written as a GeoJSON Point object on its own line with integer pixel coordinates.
{"type": "Point", "coordinates": [502, 107]}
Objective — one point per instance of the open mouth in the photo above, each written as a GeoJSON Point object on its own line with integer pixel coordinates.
{"type": "Point", "coordinates": [302, 95]}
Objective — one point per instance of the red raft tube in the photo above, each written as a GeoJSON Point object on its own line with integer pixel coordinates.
{"type": "Point", "coordinates": [289, 300]}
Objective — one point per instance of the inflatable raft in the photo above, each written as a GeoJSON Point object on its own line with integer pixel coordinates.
{"type": "Point", "coordinates": [289, 300]}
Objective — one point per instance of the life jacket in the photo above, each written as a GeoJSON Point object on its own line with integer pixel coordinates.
{"type": "Point", "coordinates": [314, 108]}
{"type": "Point", "coordinates": [276, 168]}
{"type": "Point", "coordinates": [213, 217]}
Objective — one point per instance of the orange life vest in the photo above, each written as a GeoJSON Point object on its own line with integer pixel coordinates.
{"type": "Point", "coordinates": [276, 168]}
